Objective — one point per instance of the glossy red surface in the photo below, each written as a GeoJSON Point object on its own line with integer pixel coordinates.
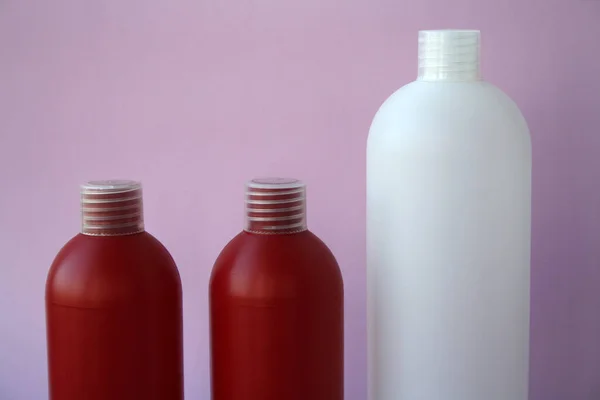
{"type": "Point", "coordinates": [276, 320]}
{"type": "Point", "coordinates": [114, 320]}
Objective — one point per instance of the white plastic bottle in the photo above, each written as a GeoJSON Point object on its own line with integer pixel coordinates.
{"type": "Point", "coordinates": [448, 233]}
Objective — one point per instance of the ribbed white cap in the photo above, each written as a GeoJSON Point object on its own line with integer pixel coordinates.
{"type": "Point", "coordinates": [111, 208]}
{"type": "Point", "coordinates": [449, 55]}
{"type": "Point", "coordinates": [275, 206]}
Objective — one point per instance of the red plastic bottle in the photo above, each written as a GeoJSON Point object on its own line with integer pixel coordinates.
{"type": "Point", "coordinates": [113, 305]}
{"type": "Point", "coordinates": [276, 305]}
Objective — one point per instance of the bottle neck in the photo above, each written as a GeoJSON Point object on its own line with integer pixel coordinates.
{"type": "Point", "coordinates": [275, 206]}
{"type": "Point", "coordinates": [111, 208]}
{"type": "Point", "coordinates": [449, 56]}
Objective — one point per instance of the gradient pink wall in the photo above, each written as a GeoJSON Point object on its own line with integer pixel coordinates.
{"type": "Point", "coordinates": [195, 97]}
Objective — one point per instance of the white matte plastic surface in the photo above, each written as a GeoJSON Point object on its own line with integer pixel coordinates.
{"type": "Point", "coordinates": [448, 244]}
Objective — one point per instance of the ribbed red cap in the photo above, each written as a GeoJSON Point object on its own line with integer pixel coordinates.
{"type": "Point", "coordinates": [111, 208]}
{"type": "Point", "coordinates": [275, 206]}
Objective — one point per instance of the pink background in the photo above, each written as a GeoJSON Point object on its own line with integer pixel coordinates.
{"type": "Point", "coordinates": [195, 97]}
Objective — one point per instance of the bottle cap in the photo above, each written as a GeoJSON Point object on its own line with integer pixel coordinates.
{"type": "Point", "coordinates": [275, 206]}
{"type": "Point", "coordinates": [449, 55]}
{"type": "Point", "coordinates": [111, 208]}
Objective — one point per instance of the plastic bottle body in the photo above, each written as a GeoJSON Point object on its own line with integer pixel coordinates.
{"type": "Point", "coordinates": [276, 319]}
{"type": "Point", "coordinates": [448, 244]}
{"type": "Point", "coordinates": [114, 320]}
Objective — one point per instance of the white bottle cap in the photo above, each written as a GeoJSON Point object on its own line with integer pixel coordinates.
{"type": "Point", "coordinates": [449, 55]}
{"type": "Point", "coordinates": [275, 206]}
{"type": "Point", "coordinates": [111, 208]}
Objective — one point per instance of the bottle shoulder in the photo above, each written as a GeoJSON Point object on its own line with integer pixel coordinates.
{"type": "Point", "coordinates": [434, 92]}
{"type": "Point", "coordinates": [286, 261]}
{"type": "Point", "coordinates": [92, 269]}
{"type": "Point", "coordinates": [456, 107]}
{"type": "Point", "coordinates": [139, 247]}
{"type": "Point", "coordinates": [246, 247]}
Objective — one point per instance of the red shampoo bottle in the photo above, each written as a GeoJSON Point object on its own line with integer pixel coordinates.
{"type": "Point", "coordinates": [113, 305]}
{"type": "Point", "coordinates": [276, 305]}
